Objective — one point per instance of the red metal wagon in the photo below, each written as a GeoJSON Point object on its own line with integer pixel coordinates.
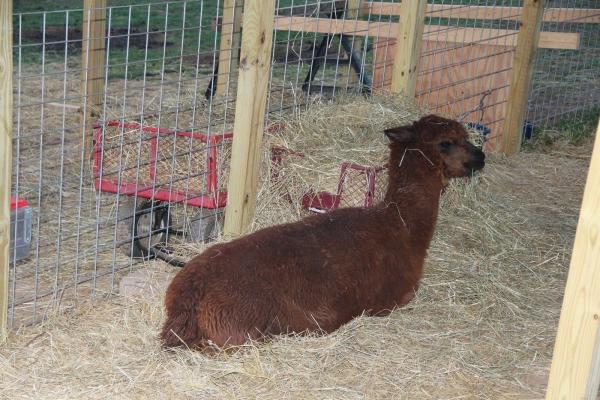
{"type": "Point", "coordinates": [163, 167]}
{"type": "Point", "coordinates": [361, 192]}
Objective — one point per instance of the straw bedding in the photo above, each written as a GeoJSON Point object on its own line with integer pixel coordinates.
{"type": "Point", "coordinates": [349, 130]}
{"type": "Point", "coordinates": [482, 324]}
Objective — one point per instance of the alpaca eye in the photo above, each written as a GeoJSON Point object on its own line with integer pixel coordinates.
{"type": "Point", "coordinates": [445, 145]}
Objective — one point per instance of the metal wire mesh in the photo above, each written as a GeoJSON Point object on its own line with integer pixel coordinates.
{"type": "Point", "coordinates": [465, 63]}
{"type": "Point", "coordinates": [157, 64]}
{"type": "Point", "coordinates": [171, 67]}
{"type": "Point", "coordinates": [566, 83]}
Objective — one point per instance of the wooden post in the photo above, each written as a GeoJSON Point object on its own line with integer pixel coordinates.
{"type": "Point", "coordinates": [408, 47]}
{"type": "Point", "coordinates": [92, 67]}
{"type": "Point", "coordinates": [522, 70]}
{"type": "Point", "coordinates": [6, 122]}
{"type": "Point", "coordinates": [230, 42]}
{"type": "Point", "coordinates": [575, 371]}
{"type": "Point", "coordinates": [253, 80]}
{"type": "Point", "coordinates": [353, 11]}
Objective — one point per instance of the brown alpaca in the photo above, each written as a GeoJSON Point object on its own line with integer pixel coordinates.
{"type": "Point", "coordinates": [319, 273]}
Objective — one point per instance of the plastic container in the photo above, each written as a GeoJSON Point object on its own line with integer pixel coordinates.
{"type": "Point", "coordinates": [20, 225]}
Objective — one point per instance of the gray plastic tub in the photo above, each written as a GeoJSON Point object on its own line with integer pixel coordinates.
{"type": "Point", "coordinates": [20, 230]}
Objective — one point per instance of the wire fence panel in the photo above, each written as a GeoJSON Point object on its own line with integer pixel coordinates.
{"type": "Point", "coordinates": [567, 82]}
{"type": "Point", "coordinates": [123, 114]}
{"type": "Point", "coordinates": [465, 63]}
{"type": "Point", "coordinates": [156, 170]}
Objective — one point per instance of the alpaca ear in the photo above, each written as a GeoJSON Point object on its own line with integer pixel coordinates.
{"type": "Point", "coordinates": [402, 134]}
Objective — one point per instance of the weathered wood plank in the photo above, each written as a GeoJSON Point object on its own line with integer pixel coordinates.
{"type": "Point", "coordinates": [579, 15]}
{"type": "Point", "coordinates": [500, 37]}
{"type": "Point", "coordinates": [6, 124]}
{"type": "Point", "coordinates": [408, 42]}
{"type": "Point", "coordinates": [522, 72]}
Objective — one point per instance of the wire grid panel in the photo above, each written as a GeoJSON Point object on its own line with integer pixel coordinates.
{"type": "Point", "coordinates": [157, 66]}
{"type": "Point", "coordinates": [362, 186]}
{"type": "Point", "coordinates": [317, 51]}
{"type": "Point", "coordinates": [466, 59]}
{"type": "Point", "coordinates": [329, 48]}
{"type": "Point", "coordinates": [174, 163]}
{"type": "Point", "coordinates": [566, 83]}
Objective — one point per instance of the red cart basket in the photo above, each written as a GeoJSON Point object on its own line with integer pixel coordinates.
{"type": "Point", "coordinates": [150, 176]}
{"type": "Point", "coordinates": [358, 185]}
{"type": "Point", "coordinates": [163, 167]}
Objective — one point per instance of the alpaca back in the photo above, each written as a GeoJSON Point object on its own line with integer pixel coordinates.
{"type": "Point", "coordinates": [315, 274]}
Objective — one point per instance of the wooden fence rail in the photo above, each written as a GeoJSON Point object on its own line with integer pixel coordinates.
{"type": "Point", "coordinates": [6, 123]}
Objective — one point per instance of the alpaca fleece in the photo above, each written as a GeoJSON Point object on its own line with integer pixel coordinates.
{"type": "Point", "coordinates": [318, 273]}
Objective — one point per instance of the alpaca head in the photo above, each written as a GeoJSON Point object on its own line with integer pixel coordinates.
{"type": "Point", "coordinates": [443, 144]}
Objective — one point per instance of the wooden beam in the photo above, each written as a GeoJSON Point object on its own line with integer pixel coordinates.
{"type": "Point", "coordinates": [253, 80]}
{"type": "Point", "coordinates": [579, 15]}
{"type": "Point", "coordinates": [92, 68]}
{"type": "Point", "coordinates": [575, 371]}
{"type": "Point", "coordinates": [522, 71]}
{"type": "Point", "coordinates": [6, 124]}
{"type": "Point", "coordinates": [408, 47]}
{"type": "Point", "coordinates": [500, 37]}
{"type": "Point", "coordinates": [486, 36]}
{"type": "Point", "coordinates": [230, 42]}
{"type": "Point", "coordinates": [314, 9]}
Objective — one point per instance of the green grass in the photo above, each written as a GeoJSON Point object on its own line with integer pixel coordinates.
{"type": "Point", "coordinates": [573, 129]}
{"type": "Point", "coordinates": [173, 28]}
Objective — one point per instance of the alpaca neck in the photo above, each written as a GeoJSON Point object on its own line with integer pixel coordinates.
{"type": "Point", "coordinates": [413, 196]}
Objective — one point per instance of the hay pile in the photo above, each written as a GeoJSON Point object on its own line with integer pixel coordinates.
{"type": "Point", "coordinates": [350, 129]}
{"type": "Point", "coordinates": [482, 324]}
{"type": "Point", "coordinates": [330, 133]}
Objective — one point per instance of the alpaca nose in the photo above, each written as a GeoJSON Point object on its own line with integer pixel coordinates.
{"type": "Point", "coordinates": [475, 153]}
{"type": "Point", "coordinates": [480, 156]}
{"type": "Point", "coordinates": [477, 161]}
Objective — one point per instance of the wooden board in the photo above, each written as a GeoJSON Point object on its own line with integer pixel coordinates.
{"type": "Point", "coordinates": [92, 68]}
{"type": "Point", "coordinates": [6, 122]}
{"type": "Point", "coordinates": [575, 371]}
{"type": "Point", "coordinates": [230, 43]}
{"type": "Point", "coordinates": [353, 12]}
{"type": "Point", "coordinates": [501, 37]}
{"type": "Point", "coordinates": [250, 107]}
{"type": "Point", "coordinates": [467, 82]}
{"type": "Point", "coordinates": [408, 41]}
{"type": "Point", "coordinates": [578, 15]}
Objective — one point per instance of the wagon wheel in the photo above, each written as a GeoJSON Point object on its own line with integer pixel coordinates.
{"type": "Point", "coordinates": [204, 226]}
{"type": "Point", "coordinates": [150, 228]}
